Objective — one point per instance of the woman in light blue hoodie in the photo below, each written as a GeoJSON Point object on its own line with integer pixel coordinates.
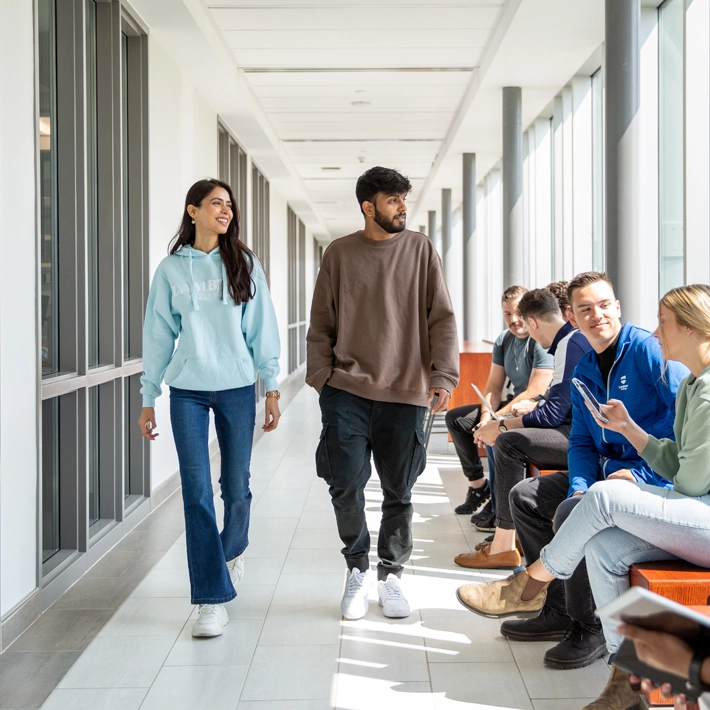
{"type": "Point", "coordinates": [210, 295]}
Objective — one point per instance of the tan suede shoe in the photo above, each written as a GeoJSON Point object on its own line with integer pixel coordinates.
{"type": "Point", "coordinates": [496, 600]}
{"type": "Point", "coordinates": [617, 694]}
{"type": "Point", "coordinates": [483, 559]}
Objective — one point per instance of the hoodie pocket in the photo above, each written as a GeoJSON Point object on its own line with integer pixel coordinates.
{"type": "Point", "coordinates": [211, 374]}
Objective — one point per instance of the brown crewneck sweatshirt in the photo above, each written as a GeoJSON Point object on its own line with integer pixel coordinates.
{"type": "Point", "coordinates": [382, 325]}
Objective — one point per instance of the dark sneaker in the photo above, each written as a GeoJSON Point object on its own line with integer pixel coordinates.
{"type": "Point", "coordinates": [577, 649]}
{"type": "Point", "coordinates": [549, 626]}
{"type": "Point", "coordinates": [485, 519]}
{"type": "Point", "coordinates": [475, 498]}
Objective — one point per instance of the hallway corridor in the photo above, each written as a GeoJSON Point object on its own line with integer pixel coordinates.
{"type": "Point", "coordinates": [286, 646]}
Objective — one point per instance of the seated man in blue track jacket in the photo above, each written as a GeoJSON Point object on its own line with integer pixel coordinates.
{"type": "Point", "coordinates": [625, 363]}
{"type": "Point", "coordinates": [539, 433]}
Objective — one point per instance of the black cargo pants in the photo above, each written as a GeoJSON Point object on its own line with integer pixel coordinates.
{"type": "Point", "coordinates": [354, 430]}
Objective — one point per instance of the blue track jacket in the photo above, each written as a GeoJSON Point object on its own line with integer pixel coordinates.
{"type": "Point", "coordinates": [638, 379]}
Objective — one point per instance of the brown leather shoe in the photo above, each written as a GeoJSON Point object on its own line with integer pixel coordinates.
{"type": "Point", "coordinates": [487, 543]}
{"type": "Point", "coordinates": [483, 559]}
{"type": "Point", "coordinates": [496, 600]}
{"type": "Point", "coordinates": [617, 694]}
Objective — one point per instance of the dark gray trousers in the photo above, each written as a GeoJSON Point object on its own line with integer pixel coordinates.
{"type": "Point", "coordinates": [534, 503]}
{"type": "Point", "coordinates": [355, 429]}
{"type": "Point", "coordinates": [514, 450]}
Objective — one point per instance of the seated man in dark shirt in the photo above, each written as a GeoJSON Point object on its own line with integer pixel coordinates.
{"type": "Point", "coordinates": [540, 436]}
{"type": "Point", "coordinates": [529, 369]}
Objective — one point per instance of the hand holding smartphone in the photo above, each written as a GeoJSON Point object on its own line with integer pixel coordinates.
{"type": "Point", "coordinates": [590, 399]}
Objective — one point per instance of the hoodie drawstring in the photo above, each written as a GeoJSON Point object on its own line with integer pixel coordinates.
{"type": "Point", "coordinates": [195, 304]}
{"type": "Point", "coordinates": [225, 284]}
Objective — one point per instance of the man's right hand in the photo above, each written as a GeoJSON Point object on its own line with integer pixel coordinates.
{"type": "Point", "coordinates": [485, 418]}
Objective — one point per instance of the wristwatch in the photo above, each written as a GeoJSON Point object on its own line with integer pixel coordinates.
{"type": "Point", "coordinates": [273, 394]}
{"type": "Point", "coordinates": [502, 427]}
{"type": "Point", "coordinates": [694, 683]}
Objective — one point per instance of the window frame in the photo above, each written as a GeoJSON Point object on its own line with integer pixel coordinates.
{"type": "Point", "coordinates": [72, 385]}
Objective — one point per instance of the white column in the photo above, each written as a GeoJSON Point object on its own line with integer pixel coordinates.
{"type": "Point", "coordinates": [648, 169]}
{"type": "Point", "coordinates": [582, 174]}
{"type": "Point", "coordinates": [567, 184]}
{"type": "Point", "coordinates": [543, 199]}
{"type": "Point", "coordinates": [558, 222]}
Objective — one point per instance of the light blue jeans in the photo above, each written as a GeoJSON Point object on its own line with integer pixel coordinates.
{"type": "Point", "coordinates": [620, 523]}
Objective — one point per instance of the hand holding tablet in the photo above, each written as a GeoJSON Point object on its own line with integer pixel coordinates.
{"type": "Point", "coordinates": [664, 633]}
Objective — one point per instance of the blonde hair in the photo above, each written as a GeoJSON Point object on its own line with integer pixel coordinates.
{"type": "Point", "coordinates": [691, 307]}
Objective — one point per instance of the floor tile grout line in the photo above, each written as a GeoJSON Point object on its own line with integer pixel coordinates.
{"type": "Point", "coordinates": [281, 573]}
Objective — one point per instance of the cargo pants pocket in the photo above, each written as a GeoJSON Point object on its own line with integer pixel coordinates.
{"type": "Point", "coordinates": [323, 466]}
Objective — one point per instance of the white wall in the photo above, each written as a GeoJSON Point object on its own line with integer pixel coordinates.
{"type": "Point", "coordinates": [183, 148]}
{"type": "Point", "coordinates": [18, 308]}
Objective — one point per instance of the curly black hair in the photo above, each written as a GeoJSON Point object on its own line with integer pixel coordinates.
{"type": "Point", "coordinates": [378, 179]}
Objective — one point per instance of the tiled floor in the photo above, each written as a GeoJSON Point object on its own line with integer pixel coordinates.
{"type": "Point", "coordinates": [286, 646]}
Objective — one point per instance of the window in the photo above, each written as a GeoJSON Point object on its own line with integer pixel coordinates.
{"type": "Point", "coordinates": [598, 171]}
{"type": "Point", "coordinates": [134, 129]}
{"type": "Point", "coordinates": [318, 256]}
{"type": "Point", "coordinates": [260, 233]}
{"type": "Point", "coordinates": [671, 121]}
{"type": "Point", "coordinates": [233, 170]}
{"type": "Point", "coordinates": [296, 291]}
{"type": "Point", "coordinates": [93, 157]}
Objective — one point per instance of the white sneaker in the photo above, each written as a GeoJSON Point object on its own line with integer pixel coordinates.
{"type": "Point", "coordinates": [213, 617]}
{"type": "Point", "coordinates": [355, 604]}
{"type": "Point", "coordinates": [392, 600]}
{"type": "Point", "coordinates": [236, 569]}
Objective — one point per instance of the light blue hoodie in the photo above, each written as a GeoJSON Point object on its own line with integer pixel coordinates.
{"type": "Point", "coordinates": [219, 345]}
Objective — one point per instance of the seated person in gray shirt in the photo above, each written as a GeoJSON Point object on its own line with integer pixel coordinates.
{"type": "Point", "coordinates": [529, 368]}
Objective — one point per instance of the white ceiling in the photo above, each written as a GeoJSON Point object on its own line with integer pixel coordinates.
{"type": "Point", "coordinates": [284, 75]}
{"type": "Point", "coordinates": [349, 84]}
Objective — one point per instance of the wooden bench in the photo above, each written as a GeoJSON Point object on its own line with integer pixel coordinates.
{"type": "Point", "coordinates": [680, 582]}
{"type": "Point", "coordinates": [533, 470]}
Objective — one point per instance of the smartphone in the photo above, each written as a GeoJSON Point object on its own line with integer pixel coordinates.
{"type": "Point", "coordinates": [626, 659]}
{"type": "Point", "coordinates": [590, 399]}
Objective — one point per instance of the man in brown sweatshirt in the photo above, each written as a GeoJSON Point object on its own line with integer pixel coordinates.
{"type": "Point", "coordinates": [382, 344]}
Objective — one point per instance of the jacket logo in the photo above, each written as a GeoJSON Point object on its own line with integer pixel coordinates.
{"type": "Point", "coordinates": [623, 385]}
{"type": "Point", "coordinates": [201, 288]}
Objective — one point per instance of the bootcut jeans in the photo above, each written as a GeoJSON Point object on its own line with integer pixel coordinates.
{"type": "Point", "coordinates": [619, 523]}
{"type": "Point", "coordinates": [354, 430]}
{"type": "Point", "coordinates": [208, 549]}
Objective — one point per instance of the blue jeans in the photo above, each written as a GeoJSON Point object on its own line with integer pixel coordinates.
{"type": "Point", "coordinates": [207, 549]}
{"type": "Point", "coordinates": [619, 523]}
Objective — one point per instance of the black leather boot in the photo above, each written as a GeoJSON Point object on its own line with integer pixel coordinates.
{"type": "Point", "coordinates": [578, 648]}
{"type": "Point", "coordinates": [549, 626]}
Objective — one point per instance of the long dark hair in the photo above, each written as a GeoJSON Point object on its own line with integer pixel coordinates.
{"type": "Point", "coordinates": [237, 258]}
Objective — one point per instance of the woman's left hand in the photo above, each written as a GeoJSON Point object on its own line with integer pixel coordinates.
{"type": "Point", "coordinates": [272, 414]}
